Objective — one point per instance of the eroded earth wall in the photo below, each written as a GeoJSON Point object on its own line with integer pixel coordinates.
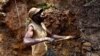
{"type": "Point", "coordinates": [83, 22]}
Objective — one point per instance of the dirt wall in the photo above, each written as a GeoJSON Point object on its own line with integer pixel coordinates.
{"type": "Point", "coordinates": [83, 22]}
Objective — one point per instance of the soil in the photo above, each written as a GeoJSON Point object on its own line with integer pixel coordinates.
{"type": "Point", "coordinates": [75, 17]}
{"type": "Point", "coordinates": [63, 23]}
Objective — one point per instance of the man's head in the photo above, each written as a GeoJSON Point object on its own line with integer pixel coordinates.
{"type": "Point", "coordinates": [34, 11]}
{"type": "Point", "coordinates": [35, 14]}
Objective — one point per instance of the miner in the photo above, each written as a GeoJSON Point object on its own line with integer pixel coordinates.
{"type": "Point", "coordinates": [36, 34]}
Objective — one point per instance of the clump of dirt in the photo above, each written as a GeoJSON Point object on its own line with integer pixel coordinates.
{"type": "Point", "coordinates": [61, 22]}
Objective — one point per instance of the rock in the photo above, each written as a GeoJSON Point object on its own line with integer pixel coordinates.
{"type": "Point", "coordinates": [88, 44]}
{"type": "Point", "coordinates": [1, 51]}
{"type": "Point", "coordinates": [1, 38]}
{"type": "Point", "coordinates": [3, 2]}
{"type": "Point", "coordinates": [91, 54]}
{"type": "Point", "coordinates": [2, 14]}
{"type": "Point", "coordinates": [15, 52]}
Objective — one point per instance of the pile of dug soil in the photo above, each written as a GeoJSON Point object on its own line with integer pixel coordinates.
{"type": "Point", "coordinates": [63, 23]}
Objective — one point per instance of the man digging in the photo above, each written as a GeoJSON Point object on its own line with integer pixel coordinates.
{"type": "Point", "coordinates": [36, 35]}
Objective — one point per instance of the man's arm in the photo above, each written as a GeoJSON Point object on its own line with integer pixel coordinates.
{"type": "Point", "coordinates": [59, 37]}
{"type": "Point", "coordinates": [30, 41]}
{"type": "Point", "coordinates": [62, 37]}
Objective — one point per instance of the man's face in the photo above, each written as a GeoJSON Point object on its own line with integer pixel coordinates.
{"type": "Point", "coordinates": [37, 18]}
